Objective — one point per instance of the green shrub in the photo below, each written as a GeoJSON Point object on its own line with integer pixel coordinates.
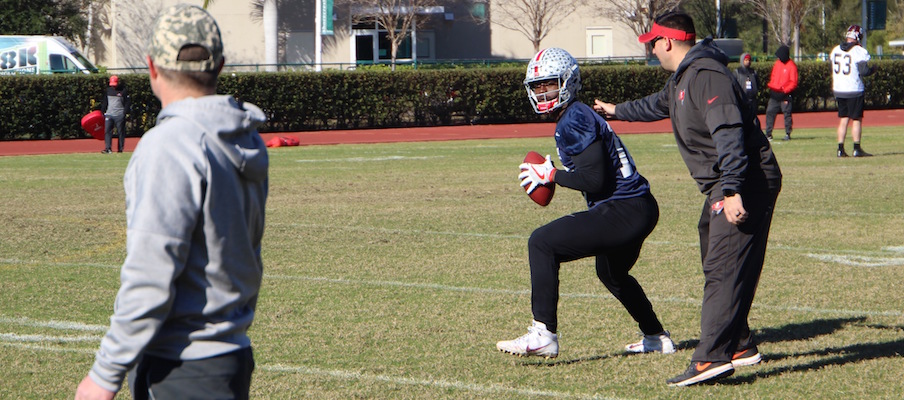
{"type": "Point", "coordinates": [51, 106]}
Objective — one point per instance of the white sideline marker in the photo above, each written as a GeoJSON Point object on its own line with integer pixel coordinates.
{"type": "Point", "coordinates": [440, 383]}
{"type": "Point", "coordinates": [859, 261]}
{"type": "Point", "coordinates": [12, 337]}
{"type": "Point", "coordinates": [368, 159]}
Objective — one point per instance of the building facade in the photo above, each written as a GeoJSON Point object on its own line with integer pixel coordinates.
{"type": "Point", "coordinates": [452, 30]}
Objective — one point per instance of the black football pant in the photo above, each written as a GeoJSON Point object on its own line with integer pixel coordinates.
{"type": "Point", "coordinates": [733, 258]}
{"type": "Point", "coordinates": [775, 105]}
{"type": "Point", "coordinates": [227, 376]}
{"type": "Point", "coordinates": [613, 232]}
{"type": "Point", "coordinates": [120, 122]}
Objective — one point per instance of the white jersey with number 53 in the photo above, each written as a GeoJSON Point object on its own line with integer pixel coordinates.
{"type": "Point", "coordinates": [845, 70]}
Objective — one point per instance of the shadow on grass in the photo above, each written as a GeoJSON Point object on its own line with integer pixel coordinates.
{"type": "Point", "coordinates": [790, 332]}
{"type": "Point", "coordinates": [839, 356]}
{"type": "Point", "coordinates": [828, 357]}
{"type": "Point", "coordinates": [558, 362]}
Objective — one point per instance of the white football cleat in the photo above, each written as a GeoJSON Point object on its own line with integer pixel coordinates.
{"type": "Point", "coordinates": [658, 343]}
{"type": "Point", "coordinates": [538, 341]}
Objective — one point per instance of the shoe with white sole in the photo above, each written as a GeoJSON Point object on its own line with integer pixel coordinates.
{"type": "Point", "coordinates": [658, 343]}
{"type": "Point", "coordinates": [743, 358]}
{"type": "Point", "coordinates": [701, 371]}
{"type": "Point", "coordinates": [538, 341]}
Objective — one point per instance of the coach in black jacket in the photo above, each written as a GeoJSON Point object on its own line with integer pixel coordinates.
{"type": "Point", "coordinates": [730, 159]}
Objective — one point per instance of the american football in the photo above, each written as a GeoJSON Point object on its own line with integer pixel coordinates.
{"type": "Point", "coordinates": [542, 195]}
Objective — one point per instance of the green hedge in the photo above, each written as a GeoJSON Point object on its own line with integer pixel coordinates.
{"type": "Point", "coordinates": [51, 106]}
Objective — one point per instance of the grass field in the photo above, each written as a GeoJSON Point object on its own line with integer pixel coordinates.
{"type": "Point", "coordinates": [393, 269]}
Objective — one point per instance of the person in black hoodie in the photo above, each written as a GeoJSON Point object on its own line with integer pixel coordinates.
{"type": "Point", "coordinates": [733, 164]}
{"type": "Point", "coordinates": [115, 104]}
{"type": "Point", "coordinates": [782, 82]}
{"type": "Point", "coordinates": [749, 81]}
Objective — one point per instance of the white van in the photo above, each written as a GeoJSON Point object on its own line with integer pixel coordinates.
{"type": "Point", "coordinates": [41, 55]}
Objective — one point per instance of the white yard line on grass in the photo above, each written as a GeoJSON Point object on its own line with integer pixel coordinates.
{"type": "Point", "coordinates": [525, 292]}
{"type": "Point", "coordinates": [418, 232]}
{"type": "Point", "coordinates": [12, 337]}
{"type": "Point", "coordinates": [857, 260]}
{"type": "Point", "coordinates": [439, 383]}
{"type": "Point", "coordinates": [61, 325]}
{"type": "Point", "coordinates": [368, 159]}
{"type": "Point", "coordinates": [349, 375]}
{"type": "Point", "coordinates": [47, 348]}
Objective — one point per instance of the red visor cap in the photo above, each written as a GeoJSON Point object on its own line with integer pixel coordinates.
{"type": "Point", "coordinates": [671, 33]}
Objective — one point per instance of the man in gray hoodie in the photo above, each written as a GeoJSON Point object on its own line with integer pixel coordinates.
{"type": "Point", "coordinates": [196, 188]}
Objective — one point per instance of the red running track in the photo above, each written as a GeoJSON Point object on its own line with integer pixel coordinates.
{"type": "Point", "coordinates": [828, 120]}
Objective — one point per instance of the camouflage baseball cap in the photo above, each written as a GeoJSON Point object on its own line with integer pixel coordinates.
{"type": "Point", "coordinates": [184, 25]}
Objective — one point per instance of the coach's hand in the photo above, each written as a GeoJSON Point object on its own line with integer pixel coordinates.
{"type": "Point", "coordinates": [607, 109]}
{"type": "Point", "coordinates": [733, 208]}
{"type": "Point", "coordinates": [88, 390]}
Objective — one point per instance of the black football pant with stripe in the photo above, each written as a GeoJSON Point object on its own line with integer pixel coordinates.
{"type": "Point", "coordinates": [614, 232]}
{"type": "Point", "coordinates": [119, 123]}
{"type": "Point", "coordinates": [733, 258]}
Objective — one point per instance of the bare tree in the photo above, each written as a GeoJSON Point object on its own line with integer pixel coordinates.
{"type": "Point", "coordinates": [397, 17]}
{"type": "Point", "coordinates": [784, 17]}
{"type": "Point", "coordinates": [636, 14]}
{"type": "Point", "coordinates": [132, 27]}
{"type": "Point", "coordinates": [534, 19]}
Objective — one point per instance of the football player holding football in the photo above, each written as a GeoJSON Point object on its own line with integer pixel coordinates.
{"type": "Point", "coordinates": [621, 211]}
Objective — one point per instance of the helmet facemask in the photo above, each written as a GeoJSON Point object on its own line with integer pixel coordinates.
{"type": "Point", "coordinates": [854, 32]}
{"type": "Point", "coordinates": [547, 101]}
{"type": "Point", "coordinates": [553, 65]}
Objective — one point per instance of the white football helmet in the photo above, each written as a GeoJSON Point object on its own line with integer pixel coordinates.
{"type": "Point", "coordinates": [548, 64]}
{"type": "Point", "coordinates": [854, 32]}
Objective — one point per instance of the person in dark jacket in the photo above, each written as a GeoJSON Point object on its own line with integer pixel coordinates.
{"type": "Point", "coordinates": [749, 81]}
{"type": "Point", "coordinates": [782, 81]}
{"type": "Point", "coordinates": [116, 105]}
{"type": "Point", "coordinates": [733, 164]}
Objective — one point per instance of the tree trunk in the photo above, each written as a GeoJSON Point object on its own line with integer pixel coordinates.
{"type": "Point", "coordinates": [786, 22]}
{"type": "Point", "coordinates": [271, 34]}
{"type": "Point", "coordinates": [394, 49]}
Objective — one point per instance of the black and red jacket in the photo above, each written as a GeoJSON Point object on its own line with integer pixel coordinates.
{"type": "Point", "coordinates": [718, 139]}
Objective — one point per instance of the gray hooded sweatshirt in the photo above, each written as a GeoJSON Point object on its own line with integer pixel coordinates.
{"type": "Point", "coordinates": [195, 189]}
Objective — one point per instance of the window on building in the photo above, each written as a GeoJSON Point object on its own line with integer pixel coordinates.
{"type": "Point", "coordinates": [372, 45]}
{"type": "Point", "coordinates": [479, 11]}
{"type": "Point", "coordinates": [364, 48]}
